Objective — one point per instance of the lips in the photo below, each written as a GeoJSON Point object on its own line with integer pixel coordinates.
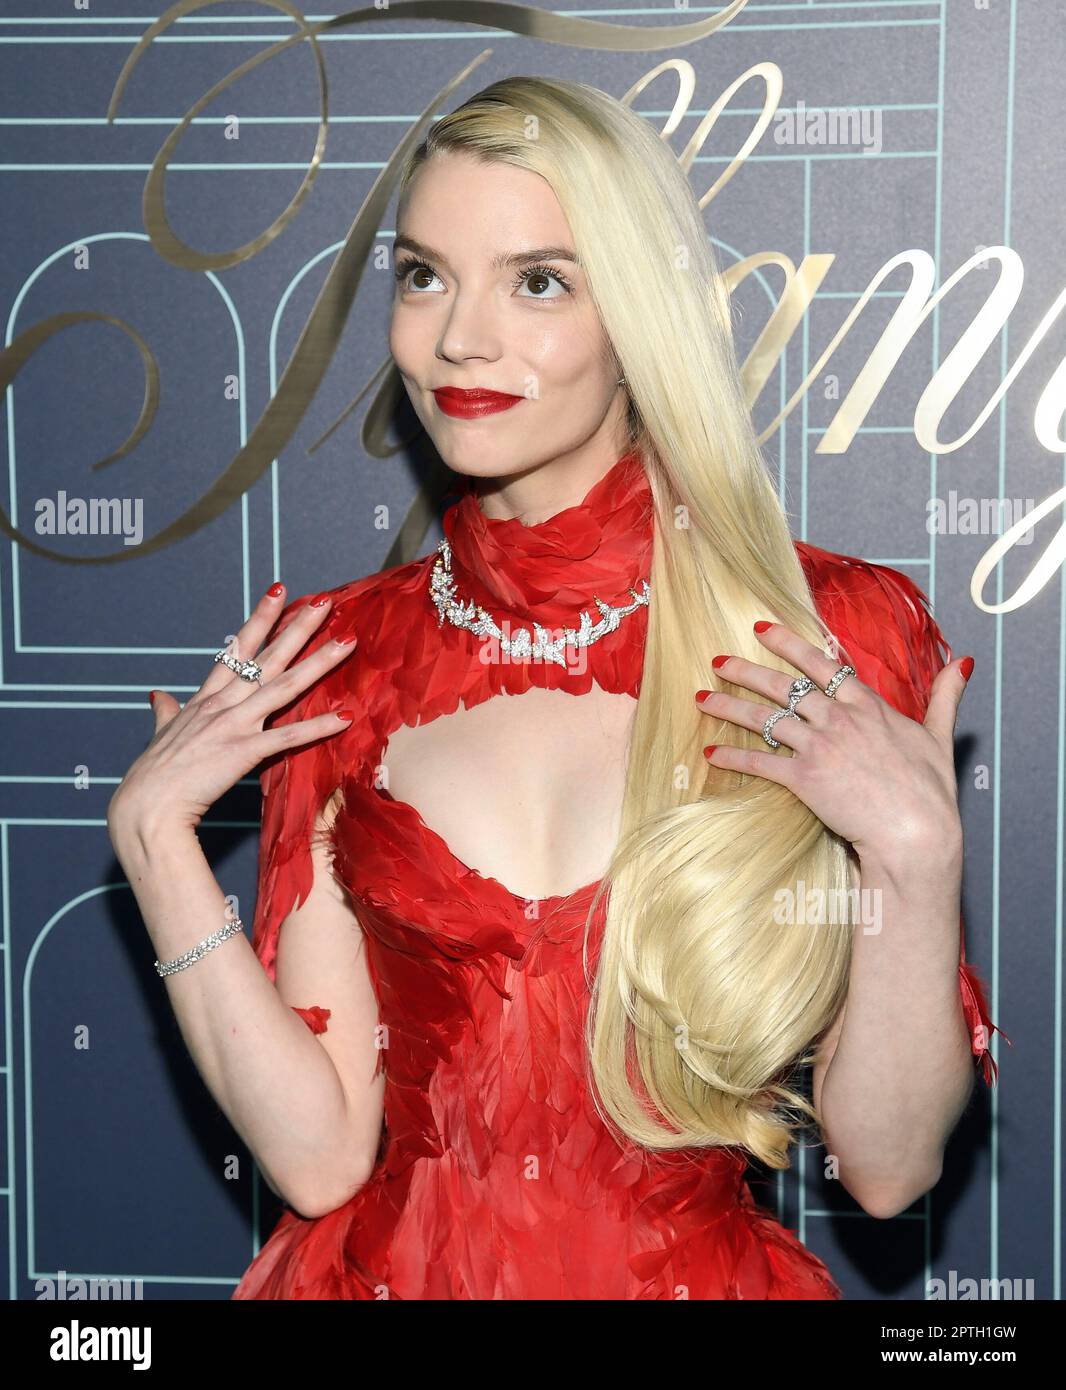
{"type": "Point", "coordinates": [469, 404]}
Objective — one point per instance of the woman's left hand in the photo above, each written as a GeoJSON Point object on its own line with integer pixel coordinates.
{"type": "Point", "coordinates": [879, 779]}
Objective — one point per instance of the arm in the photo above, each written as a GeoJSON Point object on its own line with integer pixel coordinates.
{"type": "Point", "coordinates": [915, 999]}
{"type": "Point", "coordinates": [895, 1072]}
{"type": "Point", "coordinates": [322, 955]}
{"type": "Point", "coordinates": [303, 1100]}
{"type": "Point", "coordinates": [307, 1106]}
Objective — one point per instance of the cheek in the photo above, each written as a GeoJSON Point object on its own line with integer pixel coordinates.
{"type": "Point", "coordinates": [567, 352]}
{"type": "Point", "coordinates": [397, 339]}
{"type": "Point", "coordinates": [408, 339]}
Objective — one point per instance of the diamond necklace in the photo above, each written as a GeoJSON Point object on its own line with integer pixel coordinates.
{"type": "Point", "coordinates": [524, 645]}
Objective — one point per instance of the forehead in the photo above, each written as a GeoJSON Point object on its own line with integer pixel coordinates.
{"type": "Point", "coordinates": [470, 208]}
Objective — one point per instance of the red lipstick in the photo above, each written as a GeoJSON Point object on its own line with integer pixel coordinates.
{"type": "Point", "coordinates": [468, 405]}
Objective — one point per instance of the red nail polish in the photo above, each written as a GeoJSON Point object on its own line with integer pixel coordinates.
{"type": "Point", "coordinates": [151, 698]}
{"type": "Point", "coordinates": [318, 601]}
{"type": "Point", "coordinates": [719, 661]}
{"type": "Point", "coordinates": [345, 641]}
{"type": "Point", "coordinates": [344, 713]}
{"type": "Point", "coordinates": [701, 695]}
{"type": "Point", "coordinates": [966, 667]}
{"type": "Point", "coordinates": [762, 625]}
{"type": "Point", "coordinates": [275, 591]}
{"type": "Point", "coordinates": [709, 749]}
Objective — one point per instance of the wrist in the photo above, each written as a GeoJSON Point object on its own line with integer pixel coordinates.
{"type": "Point", "coordinates": [144, 838]}
{"type": "Point", "coordinates": [928, 838]}
{"type": "Point", "coordinates": [908, 861]}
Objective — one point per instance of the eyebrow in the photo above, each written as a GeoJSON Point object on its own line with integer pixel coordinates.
{"type": "Point", "coordinates": [537, 253]}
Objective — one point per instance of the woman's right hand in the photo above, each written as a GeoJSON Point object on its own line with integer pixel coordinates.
{"type": "Point", "coordinates": [202, 749]}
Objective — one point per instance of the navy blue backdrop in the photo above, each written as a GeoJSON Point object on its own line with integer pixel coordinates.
{"type": "Point", "coordinates": [117, 1163]}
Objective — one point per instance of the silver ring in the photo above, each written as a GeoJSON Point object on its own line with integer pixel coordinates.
{"type": "Point", "coordinates": [838, 679]}
{"type": "Point", "coordinates": [768, 726]}
{"type": "Point", "coordinates": [247, 670]}
{"type": "Point", "coordinates": [802, 685]}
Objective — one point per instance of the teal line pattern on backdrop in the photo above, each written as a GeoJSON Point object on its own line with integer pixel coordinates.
{"type": "Point", "coordinates": [928, 18]}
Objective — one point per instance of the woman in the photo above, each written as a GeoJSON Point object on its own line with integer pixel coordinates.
{"type": "Point", "coordinates": [533, 990]}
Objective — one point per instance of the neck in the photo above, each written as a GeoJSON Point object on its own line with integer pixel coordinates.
{"type": "Point", "coordinates": [543, 491]}
{"type": "Point", "coordinates": [546, 568]}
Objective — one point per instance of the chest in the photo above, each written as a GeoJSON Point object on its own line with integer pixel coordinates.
{"type": "Point", "coordinates": [526, 789]}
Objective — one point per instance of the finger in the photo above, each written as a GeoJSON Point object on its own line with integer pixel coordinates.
{"type": "Point", "coordinates": [164, 707]}
{"type": "Point", "coordinates": [250, 636]}
{"type": "Point", "coordinates": [303, 731]}
{"type": "Point", "coordinates": [753, 763]}
{"type": "Point", "coordinates": [305, 625]}
{"type": "Point", "coordinates": [748, 715]}
{"type": "Point", "coordinates": [945, 696]}
{"type": "Point", "coordinates": [281, 690]}
{"type": "Point", "coordinates": [796, 650]}
{"type": "Point", "coordinates": [774, 684]}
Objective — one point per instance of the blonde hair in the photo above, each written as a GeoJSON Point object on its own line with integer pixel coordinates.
{"type": "Point", "coordinates": [697, 981]}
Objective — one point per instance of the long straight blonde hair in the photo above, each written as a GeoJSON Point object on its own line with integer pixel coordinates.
{"type": "Point", "coordinates": [698, 981]}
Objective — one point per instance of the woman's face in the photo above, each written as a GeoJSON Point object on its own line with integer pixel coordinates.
{"type": "Point", "coordinates": [480, 306]}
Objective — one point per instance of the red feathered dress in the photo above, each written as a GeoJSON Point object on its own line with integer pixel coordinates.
{"type": "Point", "coordinates": [496, 1177]}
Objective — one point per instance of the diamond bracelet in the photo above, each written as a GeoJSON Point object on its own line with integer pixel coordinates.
{"type": "Point", "coordinates": [201, 949]}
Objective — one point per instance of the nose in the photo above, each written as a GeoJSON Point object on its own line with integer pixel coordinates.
{"type": "Point", "coordinates": [471, 328]}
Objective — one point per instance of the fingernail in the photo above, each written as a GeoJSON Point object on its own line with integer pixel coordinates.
{"type": "Point", "coordinates": [762, 625]}
{"type": "Point", "coordinates": [966, 667]}
{"type": "Point", "coordinates": [701, 695]}
{"type": "Point", "coordinates": [345, 641]}
{"type": "Point", "coordinates": [719, 661]}
{"type": "Point", "coordinates": [275, 591]}
{"type": "Point", "coordinates": [318, 601]}
{"type": "Point", "coordinates": [344, 713]}
{"type": "Point", "coordinates": [709, 749]}
{"type": "Point", "coordinates": [151, 698]}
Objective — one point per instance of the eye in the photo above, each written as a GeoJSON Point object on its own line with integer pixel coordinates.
{"type": "Point", "coordinates": [538, 274]}
{"type": "Point", "coordinates": [533, 276]}
{"type": "Point", "coordinates": [406, 268]}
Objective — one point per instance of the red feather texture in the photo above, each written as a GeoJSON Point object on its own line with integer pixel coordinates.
{"type": "Point", "coordinates": [496, 1178]}
{"type": "Point", "coordinates": [315, 1018]}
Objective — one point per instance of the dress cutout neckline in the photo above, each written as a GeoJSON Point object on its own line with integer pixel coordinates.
{"type": "Point", "coordinates": [547, 573]}
{"type": "Point", "coordinates": [423, 828]}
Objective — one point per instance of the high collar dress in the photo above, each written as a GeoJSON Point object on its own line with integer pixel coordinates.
{"type": "Point", "coordinates": [496, 1177]}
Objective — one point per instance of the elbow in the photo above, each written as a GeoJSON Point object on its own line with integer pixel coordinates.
{"type": "Point", "coordinates": [320, 1195]}
{"type": "Point", "coordinates": [884, 1203]}
{"type": "Point", "coordinates": [884, 1208]}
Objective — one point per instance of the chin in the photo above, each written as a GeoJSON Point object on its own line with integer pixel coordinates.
{"type": "Point", "coordinates": [499, 467]}
{"type": "Point", "coordinates": [487, 457]}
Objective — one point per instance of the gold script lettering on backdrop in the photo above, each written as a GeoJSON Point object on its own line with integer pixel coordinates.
{"type": "Point", "coordinates": [321, 333]}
